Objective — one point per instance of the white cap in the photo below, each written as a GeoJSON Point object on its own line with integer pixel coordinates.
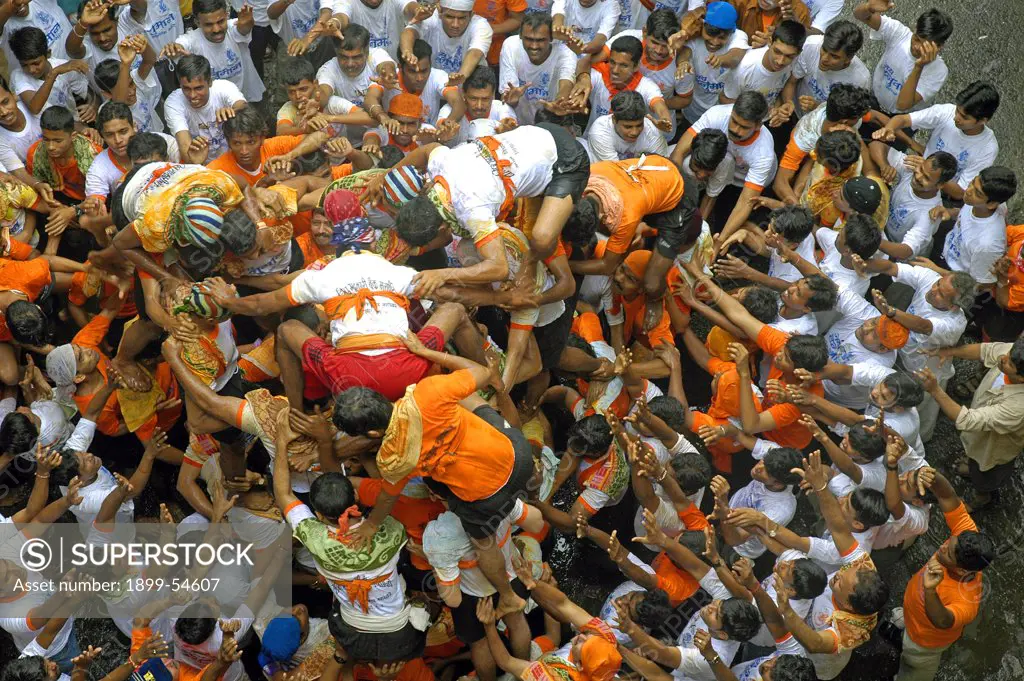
{"type": "Point", "coordinates": [458, 5]}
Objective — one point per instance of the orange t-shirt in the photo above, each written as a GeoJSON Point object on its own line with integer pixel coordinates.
{"type": "Point", "coordinates": [644, 192]}
{"type": "Point", "coordinates": [70, 174]}
{"type": "Point", "coordinates": [464, 452]}
{"type": "Point", "coordinates": [497, 11]}
{"type": "Point", "coordinates": [1014, 244]}
{"type": "Point", "coordinates": [76, 295]}
{"type": "Point", "coordinates": [633, 329]}
{"type": "Point", "coordinates": [413, 513]}
{"type": "Point", "coordinates": [788, 432]}
{"type": "Point", "coordinates": [272, 146]}
{"type": "Point", "coordinates": [25, 276]}
{"type": "Point", "coordinates": [960, 598]}
{"type": "Point", "coordinates": [673, 580]}
{"type": "Point", "coordinates": [310, 251]}
{"type": "Point", "coordinates": [91, 335]}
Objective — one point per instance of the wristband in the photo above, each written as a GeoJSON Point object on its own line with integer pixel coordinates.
{"type": "Point", "coordinates": [74, 29]}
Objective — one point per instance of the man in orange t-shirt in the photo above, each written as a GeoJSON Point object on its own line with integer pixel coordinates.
{"type": "Point", "coordinates": [627, 313]}
{"type": "Point", "coordinates": [944, 595]}
{"type": "Point", "coordinates": [505, 17]}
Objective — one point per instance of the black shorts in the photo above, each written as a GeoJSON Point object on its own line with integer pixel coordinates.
{"type": "Point", "coordinates": [405, 644]}
{"type": "Point", "coordinates": [480, 518]}
{"type": "Point", "coordinates": [678, 227]}
{"type": "Point", "coordinates": [236, 386]}
{"type": "Point", "coordinates": [551, 337]}
{"type": "Point", "coordinates": [467, 626]}
{"type": "Point", "coordinates": [572, 167]}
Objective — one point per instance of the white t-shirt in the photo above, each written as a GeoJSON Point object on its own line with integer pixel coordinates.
{"type": "Point", "coordinates": [829, 665]}
{"type": "Point", "coordinates": [516, 69]}
{"type": "Point", "coordinates": [293, 23]}
{"type": "Point", "coordinates": [147, 100]}
{"type": "Point", "coordinates": [896, 64]}
{"type": "Point", "coordinates": [47, 16]}
{"type": "Point", "coordinates": [832, 266]}
{"type": "Point", "coordinates": [606, 145]}
{"type": "Point", "coordinates": [353, 89]}
{"type": "Point", "coordinates": [202, 122]}
{"type": "Point", "coordinates": [974, 244]}
{"type": "Point", "coordinates": [914, 523]}
{"type": "Point", "coordinates": [947, 325]}
{"type": "Point", "coordinates": [13, 617]}
{"type": "Point", "coordinates": [907, 423]}
{"type": "Point", "coordinates": [449, 52]}
{"type": "Point", "coordinates": [779, 506]}
{"type": "Point", "coordinates": [476, 191]}
{"type": "Point", "coordinates": [751, 74]}
{"type": "Point", "coordinates": [755, 159]}
{"type": "Point", "coordinates": [162, 23]}
{"type": "Point", "coordinates": [14, 146]}
{"type": "Point", "coordinates": [778, 269]}
{"type": "Point", "coordinates": [229, 59]}
{"type": "Point", "coordinates": [973, 153]}
{"type": "Point", "coordinates": [909, 221]}
{"type": "Point", "coordinates": [692, 665]}
{"type": "Point", "coordinates": [432, 94]}
{"type": "Point", "coordinates": [823, 12]}
{"type": "Point", "coordinates": [806, 325]}
{"type": "Point", "coordinates": [348, 275]}
{"type": "Point", "coordinates": [601, 17]}
{"type": "Point", "coordinates": [663, 75]}
{"type": "Point", "coordinates": [817, 83]}
{"type": "Point", "coordinates": [479, 127]}
{"type": "Point", "coordinates": [608, 613]}
{"type": "Point", "coordinates": [384, 22]}
{"type": "Point", "coordinates": [869, 369]}
{"type": "Point", "coordinates": [709, 81]}
{"type": "Point", "coordinates": [104, 175]}
{"type": "Point", "coordinates": [93, 496]}
{"type": "Point", "coordinates": [602, 92]}
{"type": "Point", "coordinates": [198, 656]}
{"type": "Point", "coordinates": [94, 54]}
{"type": "Point", "coordinates": [872, 477]}
{"type": "Point", "coordinates": [65, 88]}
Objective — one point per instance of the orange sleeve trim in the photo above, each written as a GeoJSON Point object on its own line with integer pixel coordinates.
{"type": "Point", "coordinates": [375, 86]}
{"type": "Point", "coordinates": [793, 157]}
{"type": "Point", "coordinates": [487, 238]}
{"type": "Point", "coordinates": [835, 639]}
{"type": "Point", "coordinates": [291, 298]}
{"type": "Point", "coordinates": [238, 416]}
{"type": "Point", "coordinates": [583, 502]}
{"type": "Point", "coordinates": [193, 462]}
{"type": "Point", "coordinates": [445, 91]}
{"type": "Point", "coordinates": [33, 623]}
{"type": "Point", "coordinates": [657, 99]}
{"type": "Point", "coordinates": [691, 131]}
{"type": "Point", "coordinates": [521, 327]}
{"type": "Point", "coordinates": [756, 187]}
{"type": "Point", "coordinates": [446, 582]}
{"type": "Point", "coordinates": [850, 550]}
{"type": "Point", "coordinates": [290, 507]}
{"type": "Point", "coordinates": [100, 529]}
{"type": "Point", "coordinates": [784, 638]}
{"type": "Point", "coordinates": [524, 515]}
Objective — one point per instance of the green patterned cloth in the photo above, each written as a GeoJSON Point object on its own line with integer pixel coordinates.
{"type": "Point", "coordinates": [334, 556]}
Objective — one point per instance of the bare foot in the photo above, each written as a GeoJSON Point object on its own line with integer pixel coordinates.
{"type": "Point", "coordinates": [508, 605]}
{"type": "Point", "coordinates": [135, 379]}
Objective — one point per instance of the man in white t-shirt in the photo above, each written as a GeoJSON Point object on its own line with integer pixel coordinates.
{"type": "Point", "coordinates": [622, 73]}
{"type": "Point", "coordinates": [858, 237]}
{"type": "Point", "coordinates": [770, 491]}
{"type": "Point", "coordinates": [133, 78]}
{"type": "Point", "coordinates": [626, 132]}
{"type": "Point", "coordinates": [767, 70]}
{"type": "Point", "coordinates": [117, 128]}
{"type": "Point", "coordinates": [910, 72]}
{"type": "Point", "coordinates": [534, 68]}
{"type": "Point", "coordinates": [978, 237]}
{"type": "Point", "coordinates": [19, 130]}
{"type": "Point", "coordinates": [459, 39]}
{"type": "Point", "coordinates": [41, 81]}
{"type": "Point", "coordinates": [485, 115]}
{"type": "Point", "coordinates": [910, 226]}
{"type": "Point", "coordinates": [159, 20]}
{"type": "Point", "coordinates": [591, 21]}
{"type": "Point", "coordinates": [384, 19]}
{"type": "Point", "coordinates": [423, 80]}
{"type": "Point", "coordinates": [827, 60]}
{"type": "Point", "coordinates": [99, 24]}
{"type": "Point", "coordinates": [197, 108]}
{"type": "Point", "coordinates": [910, 511]}
{"type": "Point", "coordinates": [225, 43]}
{"type": "Point", "coordinates": [712, 56]}
{"type": "Point", "coordinates": [823, 13]}
{"type": "Point", "coordinates": [46, 15]}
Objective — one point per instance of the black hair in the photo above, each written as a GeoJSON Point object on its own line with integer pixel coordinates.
{"type": "Point", "coordinates": [807, 352]}
{"type": "Point", "coordinates": [106, 74]}
{"type": "Point", "coordinates": [483, 76]}
{"type": "Point", "coordinates": [740, 619]}
{"type": "Point", "coordinates": [238, 233]}
{"type": "Point", "coordinates": [29, 43]}
{"type": "Point", "coordinates": [662, 24]}
{"type": "Point", "coordinates": [67, 471]}
{"type": "Point", "coordinates": [75, 244]}
{"type": "Point", "coordinates": [862, 235]}
{"type": "Point", "coordinates": [294, 70]}
{"type": "Point", "coordinates": [18, 434]}
{"type": "Point", "coordinates": [792, 223]}
{"type": "Point", "coordinates": [908, 390]}
{"type": "Point", "coordinates": [947, 165]}
{"type": "Point", "coordinates": [390, 155]}
{"type": "Point", "coordinates": [31, 668]}
{"type": "Point", "coordinates": [193, 66]}
{"type": "Point", "coordinates": [780, 462]}
{"type": "Point", "coordinates": [422, 50]}
{"type": "Point", "coordinates": [57, 118]}
{"type": "Point", "coordinates": [630, 45]}
{"type": "Point", "coordinates": [870, 594]}
{"type": "Point", "coordinates": [691, 470]}
{"type": "Point", "coordinates": [628, 106]}
{"type": "Point", "coordinates": [145, 145]}
{"type": "Point", "coordinates": [762, 303]}
{"type": "Point", "coordinates": [536, 20]}
{"type": "Point", "coordinates": [980, 99]}
{"type": "Point", "coordinates": [751, 106]}
{"type": "Point", "coordinates": [869, 507]}
{"type": "Point", "coordinates": [114, 111]}
{"type": "Point", "coordinates": [867, 443]}
{"type": "Point", "coordinates": [1016, 353]}
{"type": "Point", "coordinates": [194, 624]}
{"type": "Point", "coordinates": [331, 494]}
{"type": "Point", "coordinates": [824, 292]}
{"type": "Point", "coordinates": [418, 221]}
{"type": "Point", "coordinates": [709, 149]}
{"type": "Point", "coordinates": [695, 540]}
{"type": "Point", "coordinates": [577, 341]}
{"type": "Point", "coordinates": [670, 410]}
{"type": "Point", "coordinates": [934, 25]}
{"type": "Point", "coordinates": [838, 150]}
{"type": "Point", "coordinates": [582, 222]}
{"type": "Point", "coordinates": [654, 609]}
{"type": "Point", "coordinates": [793, 668]}
{"type": "Point", "coordinates": [847, 102]}
{"type": "Point", "coordinates": [26, 321]}
{"type": "Point", "coordinates": [354, 37]}
{"type": "Point", "coordinates": [590, 437]}
{"type": "Point", "coordinates": [790, 32]}
{"type": "Point", "coordinates": [809, 579]}
{"type": "Point", "coordinates": [974, 550]}
{"type": "Point", "coordinates": [248, 121]}
{"type": "Point", "coordinates": [208, 6]}
{"type": "Point", "coordinates": [843, 36]}
{"type": "Point", "coordinates": [998, 182]}
{"type": "Point", "coordinates": [359, 410]}
{"type": "Point", "coordinates": [310, 162]}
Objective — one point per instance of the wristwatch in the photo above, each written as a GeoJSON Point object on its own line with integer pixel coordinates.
{"type": "Point", "coordinates": [772, 532]}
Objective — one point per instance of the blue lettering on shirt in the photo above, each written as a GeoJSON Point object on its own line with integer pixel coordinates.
{"type": "Point", "coordinates": [890, 81]}
{"type": "Point", "coordinates": [710, 86]}
{"type": "Point", "coordinates": [234, 67]}
{"type": "Point", "coordinates": [162, 26]}
{"type": "Point", "coordinates": [449, 62]}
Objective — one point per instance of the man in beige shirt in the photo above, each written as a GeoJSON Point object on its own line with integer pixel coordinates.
{"type": "Point", "coordinates": [992, 428]}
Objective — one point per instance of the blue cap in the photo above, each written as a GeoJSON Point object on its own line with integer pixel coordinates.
{"type": "Point", "coordinates": [721, 15]}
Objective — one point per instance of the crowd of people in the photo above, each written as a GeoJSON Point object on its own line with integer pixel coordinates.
{"type": "Point", "coordinates": [676, 288]}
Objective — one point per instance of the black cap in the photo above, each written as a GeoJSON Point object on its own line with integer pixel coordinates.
{"type": "Point", "coordinates": [863, 194]}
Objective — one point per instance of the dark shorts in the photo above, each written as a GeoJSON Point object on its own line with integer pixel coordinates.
{"type": "Point", "coordinates": [551, 338]}
{"type": "Point", "coordinates": [572, 167]}
{"type": "Point", "coordinates": [235, 387]}
{"type": "Point", "coordinates": [992, 479]}
{"type": "Point", "coordinates": [405, 644]}
{"type": "Point", "coordinates": [480, 518]}
{"type": "Point", "coordinates": [328, 372]}
{"type": "Point", "coordinates": [467, 626]}
{"type": "Point", "coordinates": [678, 227]}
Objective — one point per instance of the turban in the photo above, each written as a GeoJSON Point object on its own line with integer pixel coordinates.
{"type": "Point", "coordinates": [192, 299]}
{"type": "Point", "coordinates": [637, 262]}
{"type": "Point", "coordinates": [600, 657]}
{"type": "Point", "coordinates": [402, 184]}
{"type": "Point", "coordinates": [280, 640]}
{"type": "Point", "coordinates": [351, 226]}
{"type": "Point", "coordinates": [204, 221]}
{"type": "Point", "coordinates": [61, 365]}
{"type": "Point", "coordinates": [892, 335]}
{"type": "Point", "coordinates": [341, 204]}
{"type": "Point", "coordinates": [458, 5]}
{"type": "Point", "coordinates": [404, 104]}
